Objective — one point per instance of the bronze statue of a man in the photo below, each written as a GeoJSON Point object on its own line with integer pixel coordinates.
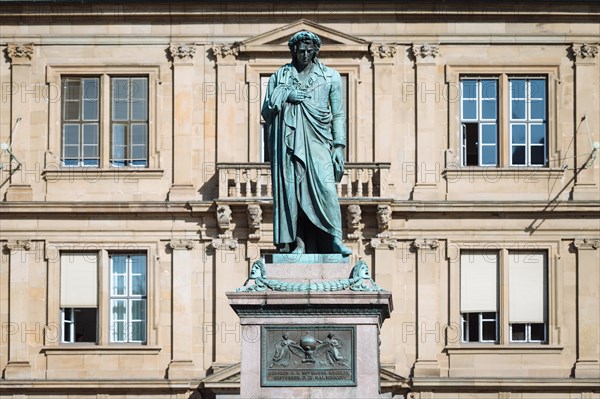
{"type": "Point", "coordinates": [307, 138]}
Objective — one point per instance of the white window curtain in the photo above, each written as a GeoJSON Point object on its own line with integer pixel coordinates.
{"type": "Point", "coordinates": [478, 282]}
{"type": "Point", "coordinates": [78, 280]}
{"type": "Point", "coordinates": [527, 287]}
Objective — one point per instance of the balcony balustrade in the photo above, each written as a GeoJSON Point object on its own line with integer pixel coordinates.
{"type": "Point", "coordinates": [252, 181]}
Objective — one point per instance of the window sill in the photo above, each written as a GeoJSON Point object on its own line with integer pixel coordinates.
{"type": "Point", "coordinates": [92, 349]}
{"type": "Point", "coordinates": [529, 174]}
{"type": "Point", "coordinates": [513, 348]}
{"type": "Point", "coordinates": [126, 174]}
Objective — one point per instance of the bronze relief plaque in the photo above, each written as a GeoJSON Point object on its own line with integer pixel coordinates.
{"type": "Point", "coordinates": [308, 355]}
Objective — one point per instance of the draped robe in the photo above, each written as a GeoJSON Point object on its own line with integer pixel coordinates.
{"type": "Point", "coordinates": [301, 140]}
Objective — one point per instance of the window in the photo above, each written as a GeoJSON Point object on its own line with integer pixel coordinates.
{"type": "Point", "coordinates": [79, 297]}
{"type": "Point", "coordinates": [479, 296]}
{"type": "Point", "coordinates": [527, 121]}
{"type": "Point", "coordinates": [527, 296]}
{"type": "Point", "coordinates": [84, 134]}
{"type": "Point", "coordinates": [479, 121]}
{"type": "Point", "coordinates": [127, 297]}
{"type": "Point", "coordinates": [480, 290]}
{"type": "Point", "coordinates": [129, 121]}
{"type": "Point", "coordinates": [486, 135]}
{"type": "Point", "coordinates": [82, 305]}
{"type": "Point", "coordinates": [80, 121]}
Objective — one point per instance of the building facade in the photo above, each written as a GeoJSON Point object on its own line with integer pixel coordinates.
{"type": "Point", "coordinates": [136, 191]}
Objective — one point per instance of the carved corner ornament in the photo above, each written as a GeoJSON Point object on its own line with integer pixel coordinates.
{"type": "Point", "coordinates": [381, 51]}
{"type": "Point", "coordinates": [425, 52]}
{"type": "Point", "coordinates": [18, 245]}
{"type": "Point", "coordinates": [254, 222]}
{"type": "Point", "coordinates": [584, 51]}
{"type": "Point", "coordinates": [425, 243]}
{"type": "Point", "coordinates": [586, 243]}
{"type": "Point", "coordinates": [182, 51]}
{"type": "Point", "coordinates": [353, 218]}
{"type": "Point", "coordinates": [20, 53]}
{"type": "Point", "coordinates": [181, 244]}
{"type": "Point", "coordinates": [225, 51]}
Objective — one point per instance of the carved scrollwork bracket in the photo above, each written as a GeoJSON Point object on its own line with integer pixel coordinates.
{"type": "Point", "coordinates": [254, 222]}
{"type": "Point", "coordinates": [224, 221]}
{"type": "Point", "coordinates": [353, 218]}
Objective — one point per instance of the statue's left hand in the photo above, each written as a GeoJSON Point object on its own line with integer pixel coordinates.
{"type": "Point", "coordinates": [338, 156]}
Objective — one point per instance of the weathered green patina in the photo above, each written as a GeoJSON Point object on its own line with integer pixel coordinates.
{"type": "Point", "coordinates": [307, 137]}
{"type": "Point", "coordinates": [357, 281]}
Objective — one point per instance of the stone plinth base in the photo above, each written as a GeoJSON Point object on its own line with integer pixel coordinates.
{"type": "Point", "coordinates": [19, 192]}
{"type": "Point", "coordinates": [17, 370]}
{"type": "Point", "coordinates": [587, 369]}
{"type": "Point", "coordinates": [310, 344]}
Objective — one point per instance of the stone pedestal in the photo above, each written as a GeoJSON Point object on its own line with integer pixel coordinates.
{"type": "Point", "coordinates": [305, 342]}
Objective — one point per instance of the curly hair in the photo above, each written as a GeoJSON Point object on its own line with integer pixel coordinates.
{"type": "Point", "coordinates": [304, 36]}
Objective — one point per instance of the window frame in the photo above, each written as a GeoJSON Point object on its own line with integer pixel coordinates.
{"type": "Point", "coordinates": [527, 121]}
{"type": "Point", "coordinates": [454, 74]}
{"type": "Point", "coordinates": [54, 249]}
{"type": "Point", "coordinates": [129, 297]}
{"type": "Point", "coordinates": [54, 76]}
{"type": "Point", "coordinates": [81, 122]}
{"type": "Point", "coordinates": [553, 273]}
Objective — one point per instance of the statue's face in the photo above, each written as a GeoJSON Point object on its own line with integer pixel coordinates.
{"type": "Point", "coordinates": [304, 54]}
{"type": "Point", "coordinates": [255, 271]}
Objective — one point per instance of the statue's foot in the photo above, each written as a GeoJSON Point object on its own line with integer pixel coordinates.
{"type": "Point", "coordinates": [340, 248]}
{"type": "Point", "coordinates": [300, 248]}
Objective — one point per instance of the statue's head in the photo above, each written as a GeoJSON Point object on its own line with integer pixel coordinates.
{"type": "Point", "coordinates": [304, 40]}
{"type": "Point", "coordinates": [361, 270]}
{"type": "Point", "coordinates": [257, 270]}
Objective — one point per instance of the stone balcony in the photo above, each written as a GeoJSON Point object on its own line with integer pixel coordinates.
{"type": "Point", "coordinates": [251, 182]}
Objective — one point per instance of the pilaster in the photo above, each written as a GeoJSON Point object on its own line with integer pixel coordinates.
{"type": "Point", "coordinates": [20, 56]}
{"type": "Point", "coordinates": [588, 322]}
{"type": "Point", "coordinates": [182, 365]}
{"type": "Point", "coordinates": [428, 255]}
{"type": "Point", "coordinates": [231, 97]}
{"type": "Point", "coordinates": [587, 142]}
{"type": "Point", "coordinates": [20, 253]}
{"type": "Point", "coordinates": [428, 121]}
{"type": "Point", "coordinates": [383, 56]}
{"type": "Point", "coordinates": [182, 56]}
